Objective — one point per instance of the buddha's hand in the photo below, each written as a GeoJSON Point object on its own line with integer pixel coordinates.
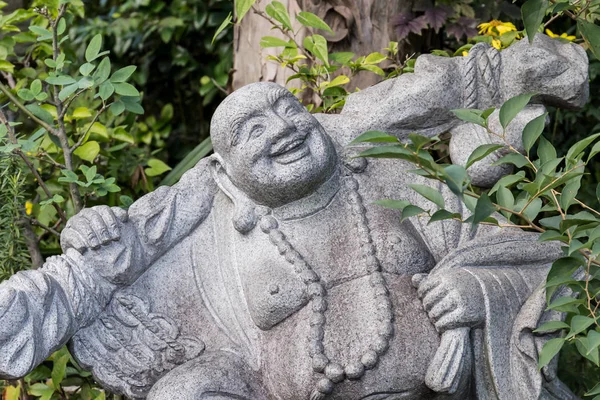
{"type": "Point", "coordinates": [92, 228]}
{"type": "Point", "coordinates": [452, 299]}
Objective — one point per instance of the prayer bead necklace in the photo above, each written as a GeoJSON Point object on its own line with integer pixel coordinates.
{"type": "Point", "coordinates": [334, 372]}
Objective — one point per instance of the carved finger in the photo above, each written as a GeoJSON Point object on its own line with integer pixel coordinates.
{"type": "Point", "coordinates": [99, 225]}
{"type": "Point", "coordinates": [71, 239]}
{"type": "Point", "coordinates": [451, 320]}
{"type": "Point", "coordinates": [120, 213]}
{"type": "Point", "coordinates": [440, 309]}
{"type": "Point", "coordinates": [417, 279]}
{"type": "Point", "coordinates": [82, 226]}
{"type": "Point", "coordinates": [426, 286]}
{"type": "Point", "coordinates": [111, 222]}
{"type": "Point", "coordinates": [434, 296]}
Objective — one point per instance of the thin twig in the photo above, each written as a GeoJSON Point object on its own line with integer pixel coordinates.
{"type": "Point", "coordinates": [22, 107]}
{"type": "Point", "coordinates": [44, 227]}
{"type": "Point", "coordinates": [82, 138]}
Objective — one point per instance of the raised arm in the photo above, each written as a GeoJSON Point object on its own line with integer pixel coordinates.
{"type": "Point", "coordinates": [104, 250]}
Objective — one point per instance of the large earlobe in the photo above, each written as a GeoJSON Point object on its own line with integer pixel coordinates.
{"type": "Point", "coordinates": [245, 217]}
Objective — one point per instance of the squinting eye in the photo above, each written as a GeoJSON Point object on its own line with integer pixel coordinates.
{"type": "Point", "coordinates": [256, 131]}
{"type": "Point", "coordinates": [291, 110]}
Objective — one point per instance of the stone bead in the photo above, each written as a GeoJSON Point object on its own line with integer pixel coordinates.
{"type": "Point", "coordinates": [309, 276]}
{"type": "Point", "coordinates": [319, 304]}
{"type": "Point", "coordinates": [276, 237]}
{"type": "Point", "coordinates": [352, 184]}
{"type": "Point", "coordinates": [386, 329]}
{"type": "Point", "coordinates": [317, 318]}
{"type": "Point", "coordinates": [334, 372]}
{"type": "Point", "coordinates": [316, 289]}
{"type": "Point", "coordinates": [284, 247]}
{"type": "Point", "coordinates": [291, 255]}
{"type": "Point", "coordinates": [325, 386]}
{"type": "Point", "coordinates": [319, 362]}
{"type": "Point", "coordinates": [317, 332]}
{"type": "Point", "coordinates": [380, 345]}
{"type": "Point", "coordinates": [369, 359]}
{"type": "Point", "coordinates": [316, 347]}
{"type": "Point", "coordinates": [355, 370]}
{"type": "Point", "coordinates": [268, 223]}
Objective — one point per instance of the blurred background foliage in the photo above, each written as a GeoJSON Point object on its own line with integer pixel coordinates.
{"type": "Point", "coordinates": [182, 76]}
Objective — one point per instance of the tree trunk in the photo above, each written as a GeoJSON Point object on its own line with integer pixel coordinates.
{"type": "Point", "coordinates": [360, 26]}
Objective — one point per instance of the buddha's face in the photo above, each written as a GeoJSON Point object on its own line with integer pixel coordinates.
{"type": "Point", "coordinates": [277, 152]}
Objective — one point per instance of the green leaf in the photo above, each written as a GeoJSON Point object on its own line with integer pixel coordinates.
{"type": "Point", "coordinates": [36, 87]}
{"type": "Point", "coordinates": [533, 209]}
{"type": "Point", "coordinates": [546, 151]}
{"type": "Point", "coordinates": [550, 349]}
{"type": "Point", "coordinates": [593, 342]}
{"type": "Point", "coordinates": [481, 152]}
{"type": "Point", "coordinates": [272, 41]}
{"type": "Point", "coordinates": [569, 192]}
{"type": "Point", "coordinates": [25, 94]}
{"type": "Point", "coordinates": [242, 7]}
{"type": "Point", "coordinates": [42, 390]}
{"type": "Point", "coordinates": [591, 34]}
{"type": "Point", "coordinates": [156, 167]}
{"type": "Point", "coordinates": [69, 176]}
{"type": "Point", "coordinates": [59, 368]}
{"type": "Point", "coordinates": [388, 152]}
{"type": "Point", "coordinates": [61, 27]}
{"type": "Point", "coordinates": [440, 215]}
{"type": "Point", "coordinates": [93, 48]}
{"type": "Point", "coordinates": [188, 162]}
{"type": "Point", "coordinates": [132, 105]}
{"type": "Point", "coordinates": [505, 198]}
{"type": "Point", "coordinates": [484, 209]}
{"type": "Point", "coordinates": [278, 12]}
{"type": "Point", "coordinates": [595, 390]}
{"type": "Point", "coordinates": [103, 71]}
{"type": "Point", "coordinates": [106, 90]}
{"type": "Point", "coordinates": [456, 175]}
{"type": "Point", "coordinates": [533, 12]}
{"type": "Point", "coordinates": [67, 91]}
{"type": "Point", "coordinates": [126, 89]}
{"type": "Point", "coordinates": [532, 131]}
{"type": "Point", "coordinates": [411, 211]}
{"type": "Point", "coordinates": [317, 45]}
{"type": "Point", "coordinates": [86, 69]}
{"type": "Point", "coordinates": [123, 74]}
{"type": "Point", "coordinates": [117, 107]}
{"type": "Point", "coordinates": [40, 113]}
{"type": "Point", "coordinates": [551, 326]}
{"type": "Point", "coordinates": [42, 33]}
{"type": "Point", "coordinates": [429, 193]}
{"type": "Point", "coordinates": [88, 151]}
{"type": "Point", "coordinates": [375, 58]}
{"type": "Point", "coordinates": [580, 146]}
{"type": "Point", "coordinates": [60, 80]}
{"type": "Point", "coordinates": [341, 57]}
{"type": "Point", "coordinates": [338, 81]}
{"type": "Point", "coordinates": [222, 27]}
{"type": "Point", "coordinates": [311, 20]}
{"type": "Point", "coordinates": [373, 68]}
{"type": "Point", "coordinates": [512, 107]}
{"type": "Point", "coordinates": [579, 323]}
{"type": "Point", "coordinates": [468, 115]}
{"type": "Point", "coordinates": [395, 204]}
{"type": "Point", "coordinates": [375, 137]}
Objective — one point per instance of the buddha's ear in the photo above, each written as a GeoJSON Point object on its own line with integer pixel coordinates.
{"type": "Point", "coordinates": [244, 217]}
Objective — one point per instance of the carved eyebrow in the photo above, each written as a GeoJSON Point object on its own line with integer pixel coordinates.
{"type": "Point", "coordinates": [236, 124]}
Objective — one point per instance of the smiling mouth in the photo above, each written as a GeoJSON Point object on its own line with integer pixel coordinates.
{"type": "Point", "coordinates": [291, 151]}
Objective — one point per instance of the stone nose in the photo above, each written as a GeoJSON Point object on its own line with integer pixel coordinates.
{"type": "Point", "coordinates": [281, 126]}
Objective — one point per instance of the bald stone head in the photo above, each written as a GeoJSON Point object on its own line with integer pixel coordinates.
{"type": "Point", "coordinates": [269, 146]}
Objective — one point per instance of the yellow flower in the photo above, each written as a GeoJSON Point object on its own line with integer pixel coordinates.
{"type": "Point", "coordinates": [28, 207]}
{"type": "Point", "coordinates": [570, 38]}
{"type": "Point", "coordinates": [465, 53]}
{"type": "Point", "coordinates": [497, 44]}
{"type": "Point", "coordinates": [496, 28]}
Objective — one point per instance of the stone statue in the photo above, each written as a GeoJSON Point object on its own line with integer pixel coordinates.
{"type": "Point", "coordinates": [268, 273]}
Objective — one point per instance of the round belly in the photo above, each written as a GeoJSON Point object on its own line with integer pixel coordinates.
{"type": "Point", "coordinates": [350, 329]}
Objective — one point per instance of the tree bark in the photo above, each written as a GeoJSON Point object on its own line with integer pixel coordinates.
{"type": "Point", "coordinates": [360, 26]}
